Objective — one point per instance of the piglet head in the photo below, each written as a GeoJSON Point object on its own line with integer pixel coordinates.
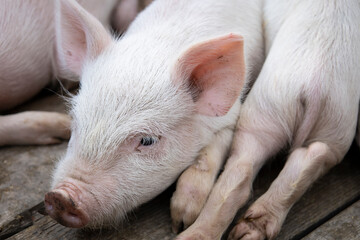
{"type": "Point", "coordinates": [140, 117]}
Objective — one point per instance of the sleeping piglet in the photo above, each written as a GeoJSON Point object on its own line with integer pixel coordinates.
{"type": "Point", "coordinates": [148, 103]}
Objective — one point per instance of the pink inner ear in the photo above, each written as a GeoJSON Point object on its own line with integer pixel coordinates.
{"type": "Point", "coordinates": [217, 72]}
{"type": "Point", "coordinates": [79, 35]}
{"type": "Point", "coordinates": [73, 42]}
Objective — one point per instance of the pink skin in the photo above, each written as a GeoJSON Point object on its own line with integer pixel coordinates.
{"type": "Point", "coordinates": [107, 171]}
{"type": "Point", "coordinates": [195, 183]}
{"type": "Point", "coordinates": [319, 141]}
{"type": "Point", "coordinates": [64, 206]}
{"type": "Point", "coordinates": [27, 66]}
{"type": "Point", "coordinates": [205, 72]}
{"type": "Point", "coordinates": [126, 12]}
{"type": "Point", "coordinates": [22, 58]}
{"type": "Point", "coordinates": [299, 101]}
{"type": "Point", "coordinates": [34, 128]}
{"type": "Point", "coordinates": [250, 151]}
{"type": "Point", "coordinates": [79, 199]}
{"type": "Point", "coordinates": [69, 213]}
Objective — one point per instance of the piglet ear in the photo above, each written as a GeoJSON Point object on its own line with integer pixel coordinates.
{"type": "Point", "coordinates": [215, 73]}
{"type": "Point", "coordinates": [79, 37]}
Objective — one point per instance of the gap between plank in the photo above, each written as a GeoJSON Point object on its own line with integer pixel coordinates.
{"type": "Point", "coordinates": [332, 214]}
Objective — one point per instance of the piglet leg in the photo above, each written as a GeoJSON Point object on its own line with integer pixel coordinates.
{"type": "Point", "coordinates": [233, 187]}
{"type": "Point", "coordinates": [39, 128]}
{"type": "Point", "coordinates": [195, 184]}
{"type": "Point", "coordinates": [264, 218]}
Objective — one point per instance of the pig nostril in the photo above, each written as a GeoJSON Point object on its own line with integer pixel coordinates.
{"type": "Point", "coordinates": [72, 214]}
{"type": "Point", "coordinates": [69, 215]}
{"type": "Point", "coordinates": [48, 206]}
{"type": "Point", "coordinates": [72, 219]}
{"type": "Point", "coordinates": [61, 207]}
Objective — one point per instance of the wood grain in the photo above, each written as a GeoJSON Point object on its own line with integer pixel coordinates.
{"type": "Point", "coordinates": [25, 176]}
{"type": "Point", "coordinates": [327, 197]}
{"type": "Point", "coordinates": [345, 225]}
{"type": "Point", "coordinates": [151, 221]}
{"type": "Point", "coordinates": [25, 171]}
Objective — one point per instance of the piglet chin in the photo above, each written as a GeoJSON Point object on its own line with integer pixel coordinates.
{"type": "Point", "coordinates": [63, 205]}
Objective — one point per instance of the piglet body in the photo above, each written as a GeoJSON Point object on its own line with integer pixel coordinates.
{"type": "Point", "coordinates": [27, 46]}
{"type": "Point", "coordinates": [306, 98]}
{"type": "Point", "coordinates": [149, 102]}
{"type": "Point", "coordinates": [28, 64]}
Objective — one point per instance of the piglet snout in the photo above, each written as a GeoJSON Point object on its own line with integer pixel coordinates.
{"type": "Point", "coordinates": [61, 207]}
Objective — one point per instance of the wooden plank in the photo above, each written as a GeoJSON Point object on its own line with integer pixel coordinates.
{"type": "Point", "coordinates": [25, 171]}
{"type": "Point", "coordinates": [329, 195]}
{"type": "Point", "coordinates": [152, 221]}
{"type": "Point", "coordinates": [25, 177]}
{"type": "Point", "coordinates": [345, 225]}
{"type": "Point", "coordinates": [21, 221]}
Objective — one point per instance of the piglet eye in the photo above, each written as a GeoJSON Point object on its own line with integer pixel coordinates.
{"type": "Point", "coordinates": [148, 141]}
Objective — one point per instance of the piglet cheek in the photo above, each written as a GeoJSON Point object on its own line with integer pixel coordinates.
{"type": "Point", "coordinates": [130, 145]}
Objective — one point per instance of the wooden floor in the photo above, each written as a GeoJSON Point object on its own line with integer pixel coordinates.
{"type": "Point", "coordinates": [329, 210]}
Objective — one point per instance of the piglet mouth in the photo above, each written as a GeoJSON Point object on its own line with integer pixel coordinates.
{"type": "Point", "coordinates": [64, 206]}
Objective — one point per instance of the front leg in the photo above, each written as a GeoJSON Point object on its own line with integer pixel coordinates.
{"type": "Point", "coordinates": [249, 152]}
{"type": "Point", "coordinates": [195, 184]}
{"type": "Point", "coordinates": [265, 217]}
{"type": "Point", "coordinates": [29, 128]}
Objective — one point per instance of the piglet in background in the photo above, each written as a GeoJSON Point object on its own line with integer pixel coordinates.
{"type": "Point", "coordinates": [306, 98]}
{"type": "Point", "coordinates": [148, 103]}
{"type": "Point", "coordinates": [27, 64]}
{"type": "Point", "coordinates": [126, 12]}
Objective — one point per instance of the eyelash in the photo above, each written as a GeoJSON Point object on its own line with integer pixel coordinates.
{"type": "Point", "coordinates": [149, 141]}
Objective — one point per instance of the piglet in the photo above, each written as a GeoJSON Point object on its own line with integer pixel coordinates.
{"type": "Point", "coordinates": [306, 98]}
{"type": "Point", "coordinates": [148, 103]}
{"type": "Point", "coordinates": [28, 64]}
{"type": "Point", "coordinates": [126, 12]}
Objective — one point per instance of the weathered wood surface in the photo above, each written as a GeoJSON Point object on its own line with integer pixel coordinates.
{"type": "Point", "coordinates": [327, 197]}
{"type": "Point", "coordinates": [345, 225]}
{"type": "Point", "coordinates": [25, 171]}
{"type": "Point", "coordinates": [25, 175]}
{"type": "Point", "coordinates": [152, 221]}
